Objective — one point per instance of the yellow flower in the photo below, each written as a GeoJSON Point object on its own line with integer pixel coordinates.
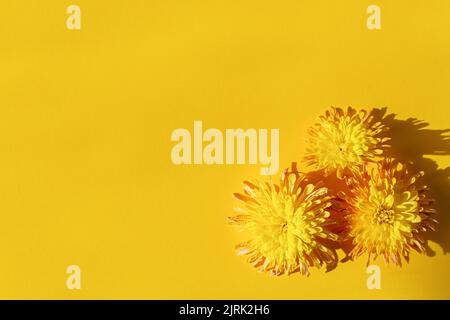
{"type": "Point", "coordinates": [288, 224]}
{"type": "Point", "coordinates": [344, 139]}
{"type": "Point", "coordinates": [387, 212]}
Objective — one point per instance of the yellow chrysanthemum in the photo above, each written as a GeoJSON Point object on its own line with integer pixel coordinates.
{"type": "Point", "coordinates": [287, 223]}
{"type": "Point", "coordinates": [344, 139]}
{"type": "Point", "coordinates": [387, 212]}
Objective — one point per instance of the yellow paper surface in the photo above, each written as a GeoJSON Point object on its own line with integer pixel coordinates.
{"type": "Point", "coordinates": [86, 116]}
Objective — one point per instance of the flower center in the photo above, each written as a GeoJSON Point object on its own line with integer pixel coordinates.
{"type": "Point", "coordinates": [384, 216]}
{"type": "Point", "coordinates": [287, 226]}
{"type": "Point", "coordinates": [342, 147]}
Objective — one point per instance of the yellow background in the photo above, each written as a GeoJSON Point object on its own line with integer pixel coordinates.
{"type": "Point", "coordinates": [86, 117]}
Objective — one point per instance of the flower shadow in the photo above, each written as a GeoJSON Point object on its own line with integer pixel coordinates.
{"type": "Point", "coordinates": [412, 141]}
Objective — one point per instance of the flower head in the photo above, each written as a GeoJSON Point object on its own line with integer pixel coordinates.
{"type": "Point", "coordinates": [344, 139]}
{"type": "Point", "coordinates": [287, 224]}
{"type": "Point", "coordinates": [388, 211]}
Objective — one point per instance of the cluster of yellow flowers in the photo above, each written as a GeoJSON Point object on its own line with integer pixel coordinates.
{"type": "Point", "coordinates": [352, 197]}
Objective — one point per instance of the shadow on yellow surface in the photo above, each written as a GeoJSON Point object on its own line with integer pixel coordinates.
{"type": "Point", "coordinates": [412, 141]}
